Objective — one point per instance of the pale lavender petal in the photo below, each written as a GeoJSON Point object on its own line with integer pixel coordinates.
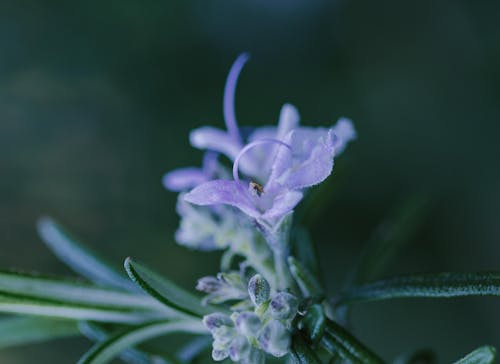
{"type": "Point", "coordinates": [343, 132]}
{"type": "Point", "coordinates": [310, 162]}
{"type": "Point", "coordinates": [214, 139]}
{"type": "Point", "coordinates": [210, 163]}
{"type": "Point", "coordinates": [229, 92]}
{"type": "Point", "coordinates": [223, 192]}
{"type": "Point", "coordinates": [183, 179]}
{"type": "Point", "coordinates": [263, 132]}
{"type": "Point", "coordinates": [283, 203]}
{"type": "Point", "coordinates": [289, 120]}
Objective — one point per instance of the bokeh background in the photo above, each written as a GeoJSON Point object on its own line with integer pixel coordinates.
{"type": "Point", "coordinates": [97, 100]}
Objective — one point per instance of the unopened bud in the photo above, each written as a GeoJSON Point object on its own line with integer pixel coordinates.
{"type": "Point", "coordinates": [284, 306]}
{"type": "Point", "coordinates": [258, 289]}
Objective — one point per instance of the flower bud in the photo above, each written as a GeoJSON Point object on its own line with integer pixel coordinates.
{"type": "Point", "coordinates": [219, 355]}
{"type": "Point", "coordinates": [258, 289]}
{"type": "Point", "coordinates": [284, 306]}
{"type": "Point", "coordinates": [209, 284]}
{"type": "Point", "coordinates": [248, 323]}
{"type": "Point", "coordinates": [216, 320]}
{"type": "Point", "coordinates": [275, 339]}
{"type": "Point", "coordinates": [239, 349]}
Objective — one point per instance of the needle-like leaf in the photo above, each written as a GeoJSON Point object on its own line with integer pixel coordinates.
{"type": "Point", "coordinates": [165, 291]}
{"type": "Point", "coordinates": [26, 330]}
{"type": "Point", "coordinates": [80, 258]}
{"type": "Point", "coordinates": [438, 285]}
{"type": "Point", "coordinates": [106, 350]}
{"type": "Point", "coordinates": [338, 339]}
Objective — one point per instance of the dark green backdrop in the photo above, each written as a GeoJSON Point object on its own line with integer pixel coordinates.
{"type": "Point", "coordinates": [97, 99]}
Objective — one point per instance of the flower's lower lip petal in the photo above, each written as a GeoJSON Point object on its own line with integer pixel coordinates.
{"type": "Point", "coordinates": [282, 204]}
{"type": "Point", "coordinates": [183, 179]}
{"type": "Point", "coordinates": [222, 192]}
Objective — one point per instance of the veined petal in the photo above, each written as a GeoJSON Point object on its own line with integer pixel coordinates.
{"type": "Point", "coordinates": [310, 161]}
{"type": "Point", "coordinates": [218, 140]}
{"type": "Point", "coordinates": [343, 132]}
{"type": "Point", "coordinates": [183, 179]}
{"type": "Point", "coordinates": [223, 192]}
{"type": "Point", "coordinates": [316, 168]}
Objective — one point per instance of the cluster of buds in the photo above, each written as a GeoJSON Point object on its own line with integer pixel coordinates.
{"type": "Point", "coordinates": [260, 323]}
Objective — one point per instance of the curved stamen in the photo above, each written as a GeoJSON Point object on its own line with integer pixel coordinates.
{"type": "Point", "coordinates": [229, 91]}
{"type": "Point", "coordinates": [250, 146]}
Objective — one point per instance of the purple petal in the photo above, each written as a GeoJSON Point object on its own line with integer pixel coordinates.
{"type": "Point", "coordinates": [183, 179]}
{"type": "Point", "coordinates": [209, 138]}
{"type": "Point", "coordinates": [343, 132]}
{"type": "Point", "coordinates": [222, 192]}
{"type": "Point", "coordinates": [310, 162]}
{"type": "Point", "coordinates": [283, 203]}
{"type": "Point", "coordinates": [289, 120]}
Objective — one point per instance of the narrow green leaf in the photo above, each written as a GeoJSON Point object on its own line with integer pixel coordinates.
{"type": "Point", "coordinates": [106, 350]}
{"type": "Point", "coordinates": [307, 283]}
{"type": "Point", "coordinates": [80, 258]}
{"type": "Point", "coordinates": [50, 308]}
{"type": "Point", "coordinates": [131, 355]}
{"type": "Point", "coordinates": [438, 285]}
{"type": "Point", "coordinates": [165, 291]}
{"type": "Point", "coordinates": [483, 355]}
{"type": "Point", "coordinates": [338, 338]}
{"type": "Point", "coordinates": [301, 352]}
{"type": "Point", "coordinates": [314, 323]}
{"type": "Point", "coordinates": [388, 240]}
{"type": "Point", "coordinates": [27, 330]}
{"type": "Point", "coordinates": [39, 287]}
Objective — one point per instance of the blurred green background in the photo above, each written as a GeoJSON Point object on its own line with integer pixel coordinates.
{"type": "Point", "coordinates": [97, 100]}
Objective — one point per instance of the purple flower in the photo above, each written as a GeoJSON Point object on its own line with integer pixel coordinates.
{"type": "Point", "coordinates": [184, 179]}
{"type": "Point", "coordinates": [279, 162]}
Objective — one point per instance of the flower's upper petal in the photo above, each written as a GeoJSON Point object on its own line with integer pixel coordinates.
{"type": "Point", "coordinates": [283, 203]}
{"type": "Point", "coordinates": [223, 192]}
{"type": "Point", "coordinates": [257, 162]}
{"type": "Point", "coordinates": [183, 179]}
{"type": "Point", "coordinates": [343, 132]}
{"type": "Point", "coordinates": [308, 163]}
{"type": "Point", "coordinates": [209, 138]}
{"type": "Point", "coordinates": [289, 120]}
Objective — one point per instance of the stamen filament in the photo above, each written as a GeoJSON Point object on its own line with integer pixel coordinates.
{"type": "Point", "coordinates": [250, 146]}
{"type": "Point", "coordinates": [229, 91]}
